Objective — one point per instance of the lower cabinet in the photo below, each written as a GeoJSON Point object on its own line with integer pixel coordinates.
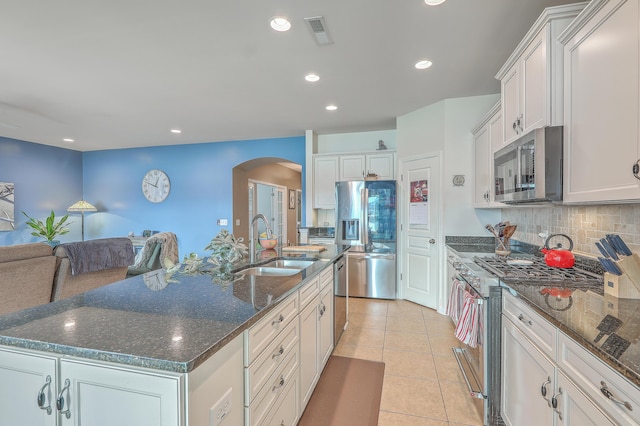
{"type": "Point", "coordinates": [86, 393]}
{"type": "Point", "coordinates": [574, 408]}
{"type": "Point", "coordinates": [30, 398]}
{"type": "Point", "coordinates": [528, 380]}
{"type": "Point", "coordinates": [537, 389]}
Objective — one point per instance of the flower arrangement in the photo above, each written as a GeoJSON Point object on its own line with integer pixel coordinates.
{"type": "Point", "coordinates": [225, 248]}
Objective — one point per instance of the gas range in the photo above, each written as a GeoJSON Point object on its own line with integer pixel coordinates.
{"type": "Point", "coordinates": [530, 269]}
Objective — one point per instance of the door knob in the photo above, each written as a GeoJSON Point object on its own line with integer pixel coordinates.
{"type": "Point", "coordinates": [432, 241]}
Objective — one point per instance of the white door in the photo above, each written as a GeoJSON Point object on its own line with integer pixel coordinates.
{"type": "Point", "coordinates": [420, 229]}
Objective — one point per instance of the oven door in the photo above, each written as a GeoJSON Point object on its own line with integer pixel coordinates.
{"type": "Point", "coordinates": [471, 360]}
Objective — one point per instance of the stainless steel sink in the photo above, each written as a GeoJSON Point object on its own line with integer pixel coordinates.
{"type": "Point", "coordinates": [290, 263]}
{"type": "Point", "coordinates": [266, 271]}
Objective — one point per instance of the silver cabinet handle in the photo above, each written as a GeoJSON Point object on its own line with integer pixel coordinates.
{"type": "Point", "coordinates": [278, 385]}
{"type": "Point", "coordinates": [323, 308]}
{"type": "Point", "coordinates": [280, 352]}
{"type": "Point", "coordinates": [432, 241]}
{"type": "Point", "coordinates": [606, 392]}
{"type": "Point", "coordinates": [42, 397]}
{"type": "Point", "coordinates": [543, 390]}
{"type": "Point", "coordinates": [60, 399]}
{"type": "Point", "coordinates": [522, 318]}
{"type": "Point", "coordinates": [554, 403]}
{"type": "Point", "coordinates": [278, 321]}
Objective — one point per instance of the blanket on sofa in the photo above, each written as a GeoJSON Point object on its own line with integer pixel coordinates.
{"type": "Point", "coordinates": [96, 255]}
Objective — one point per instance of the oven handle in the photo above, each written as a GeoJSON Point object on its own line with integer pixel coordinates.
{"type": "Point", "coordinates": [474, 393]}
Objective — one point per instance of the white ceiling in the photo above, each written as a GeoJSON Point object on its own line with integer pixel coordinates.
{"type": "Point", "coordinates": [117, 74]}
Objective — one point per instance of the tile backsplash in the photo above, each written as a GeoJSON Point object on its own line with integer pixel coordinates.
{"type": "Point", "coordinates": [584, 224]}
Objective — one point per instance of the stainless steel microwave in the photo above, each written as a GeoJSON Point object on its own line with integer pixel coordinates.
{"type": "Point", "coordinates": [529, 169]}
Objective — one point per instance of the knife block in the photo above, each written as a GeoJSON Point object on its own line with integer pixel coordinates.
{"type": "Point", "coordinates": [620, 286]}
{"type": "Point", "coordinates": [630, 266]}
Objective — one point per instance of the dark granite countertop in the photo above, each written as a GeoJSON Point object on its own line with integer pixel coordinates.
{"type": "Point", "coordinates": [579, 316]}
{"type": "Point", "coordinates": [173, 327]}
{"type": "Point", "coordinates": [582, 314]}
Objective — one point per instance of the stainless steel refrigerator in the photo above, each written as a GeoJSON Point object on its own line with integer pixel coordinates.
{"type": "Point", "coordinates": [366, 219]}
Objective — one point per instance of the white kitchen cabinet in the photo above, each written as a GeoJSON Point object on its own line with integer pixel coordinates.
{"type": "Point", "coordinates": [601, 103]}
{"type": "Point", "coordinates": [309, 354]}
{"type": "Point", "coordinates": [325, 176]}
{"type": "Point", "coordinates": [573, 408]}
{"type": "Point", "coordinates": [325, 345]}
{"type": "Point", "coordinates": [358, 166]}
{"type": "Point", "coordinates": [484, 135]}
{"type": "Point", "coordinates": [110, 395]}
{"type": "Point", "coordinates": [316, 334]}
{"type": "Point", "coordinates": [532, 78]}
{"type": "Point", "coordinates": [526, 374]}
{"type": "Point", "coordinates": [87, 393]}
{"type": "Point", "coordinates": [30, 376]}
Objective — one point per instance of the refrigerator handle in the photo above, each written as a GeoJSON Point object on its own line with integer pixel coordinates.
{"type": "Point", "coordinates": [364, 230]}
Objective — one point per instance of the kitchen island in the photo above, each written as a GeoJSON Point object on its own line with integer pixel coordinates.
{"type": "Point", "coordinates": [185, 331]}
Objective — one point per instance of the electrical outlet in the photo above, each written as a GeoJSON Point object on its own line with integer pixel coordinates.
{"type": "Point", "coordinates": [237, 222]}
{"type": "Point", "coordinates": [223, 222]}
{"type": "Point", "coordinates": [220, 409]}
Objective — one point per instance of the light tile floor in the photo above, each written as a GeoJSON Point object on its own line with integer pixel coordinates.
{"type": "Point", "coordinates": [422, 383]}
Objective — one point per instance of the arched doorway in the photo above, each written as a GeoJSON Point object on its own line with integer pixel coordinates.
{"type": "Point", "coordinates": [278, 173]}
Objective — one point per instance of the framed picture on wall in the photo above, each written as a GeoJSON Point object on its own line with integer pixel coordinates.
{"type": "Point", "coordinates": [292, 199]}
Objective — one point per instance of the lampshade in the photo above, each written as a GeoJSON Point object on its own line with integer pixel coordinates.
{"type": "Point", "coordinates": [82, 206]}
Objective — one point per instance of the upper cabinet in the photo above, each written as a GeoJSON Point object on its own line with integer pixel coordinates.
{"type": "Point", "coordinates": [487, 138]}
{"type": "Point", "coordinates": [325, 175]}
{"type": "Point", "coordinates": [358, 166]}
{"type": "Point", "coordinates": [601, 107]}
{"type": "Point", "coordinates": [531, 79]}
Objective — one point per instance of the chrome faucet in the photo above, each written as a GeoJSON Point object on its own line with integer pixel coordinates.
{"type": "Point", "coordinates": [252, 243]}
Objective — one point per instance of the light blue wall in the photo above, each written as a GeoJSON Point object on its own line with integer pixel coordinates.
{"type": "Point", "coordinates": [46, 178]}
{"type": "Point", "coordinates": [201, 187]}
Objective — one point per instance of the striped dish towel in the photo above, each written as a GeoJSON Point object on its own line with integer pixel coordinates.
{"type": "Point", "coordinates": [468, 327]}
{"type": "Point", "coordinates": [456, 298]}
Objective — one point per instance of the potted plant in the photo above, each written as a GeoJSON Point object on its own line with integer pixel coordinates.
{"type": "Point", "coordinates": [226, 249]}
{"type": "Point", "coordinates": [49, 229]}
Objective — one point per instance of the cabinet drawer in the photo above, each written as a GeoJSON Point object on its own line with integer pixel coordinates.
{"type": "Point", "coordinates": [285, 412]}
{"type": "Point", "coordinates": [258, 337]}
{"type": "Point", "coordinates": [274, 389]}
{"type": "Point", "coordinates": [540, 331]}
{"type": "Point", "coordinates": [259, 371]}
{"type": "Point", "coordinates": [326, 277]}
{"type": "Point", "coordinates": [309, 291]}
{"type": "Point", "coordinates": [588, 372]}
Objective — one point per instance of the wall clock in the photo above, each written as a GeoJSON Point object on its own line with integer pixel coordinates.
{"type": "Point", "coordinates": [156, 186]}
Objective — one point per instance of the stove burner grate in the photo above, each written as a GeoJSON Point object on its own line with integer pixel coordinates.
{"type": "Point", "coordinates": [538, 271]}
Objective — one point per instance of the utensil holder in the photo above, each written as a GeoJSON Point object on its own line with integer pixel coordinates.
{"type": "Point", "coordinates": [620, 286]}
{"type": "Point", "coordinates": [503, 246]}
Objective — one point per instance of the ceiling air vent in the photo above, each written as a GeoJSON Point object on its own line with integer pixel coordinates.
{"type": "Point", "coordinates": [319, 30]}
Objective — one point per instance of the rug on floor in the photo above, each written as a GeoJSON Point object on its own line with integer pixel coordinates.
{"type": "Point", "coordinates": [348, 393]}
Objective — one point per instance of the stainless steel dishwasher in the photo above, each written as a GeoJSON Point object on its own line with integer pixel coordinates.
{"type": "Point", "coordinates": [340, 298]}
{"type": "Point", "coordinates": [371, 275]}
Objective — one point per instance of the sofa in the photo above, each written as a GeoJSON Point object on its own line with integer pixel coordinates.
{"type": "Point", "coordinates": [26, 276]}
{"type": "Point", "coordinates": [85, 265]}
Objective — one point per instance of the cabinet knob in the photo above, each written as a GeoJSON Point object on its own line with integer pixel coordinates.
{"type": "Point", "coordinates": [277, 354]}
{"type": "Point", "coordinates": [278, 321]}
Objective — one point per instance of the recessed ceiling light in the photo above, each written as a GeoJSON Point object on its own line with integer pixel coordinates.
{"type": "Point", "coordinates": [312, 77]}
{"type": "Point", "coordinates": [434, 2]}
{"type": "Point", "coordinates": [331, 107]}
{"type": "Point", "coordinates": [68, 140]}
{"type": "Point", "coordinates": [280, 23]}
{"type": "Point", "coordinates": [177, 131]}
{"type": "Point", "coordinates": [423, 65]}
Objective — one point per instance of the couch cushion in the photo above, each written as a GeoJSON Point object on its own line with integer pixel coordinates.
{"type": "Point", "coordinates": [24, 251]}
{"type": "Point", "coordinates": [26, 283]}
